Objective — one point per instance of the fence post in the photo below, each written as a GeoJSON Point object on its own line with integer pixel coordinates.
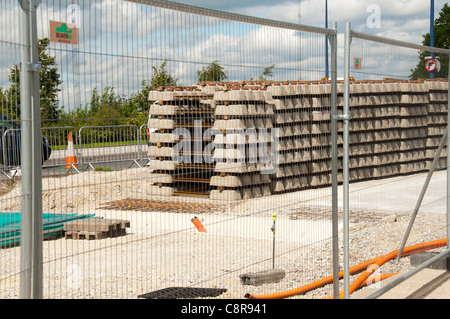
{"type": "Point", "coordinates": [25, 101]}
{"type": "Point", "coordinates": [448, 156]}
{"type": "Point", "coordinates": [345, 159]}
{"type": "Point", "coordinates": [334, 163]}
{"type": "Point", "coordinates": [36, 142]}
{"type": "Point", "coordinates": [31, 219]}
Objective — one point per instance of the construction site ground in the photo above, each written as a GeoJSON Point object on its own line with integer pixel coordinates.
{"type": "Point", "coordinates": [427, 283]}
{"type": "Point", "coordinates": [380, 211]}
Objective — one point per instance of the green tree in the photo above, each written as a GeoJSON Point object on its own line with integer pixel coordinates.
{"type": "Point", "coordinates": [50, 81]}
{"type": "Point", "coordinates": [10, 98]}
{"type": "Point", "coordinates": [107, 107]}
{"type": "Point", "coordinates": [213, 72]}
{"type": "Point", "coordinates": [49, 87]}
{"type": "Point", "coordinates": [267, 72]}
{"type": "Point", "coordinates": [441, 40]}
{"type": "Point", "coordinates": [160, 78]}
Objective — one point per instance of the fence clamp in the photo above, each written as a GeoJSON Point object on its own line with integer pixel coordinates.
{"type": "Point", "coordinates": [33, 67]}
{"type": "Point", "coordinates": [341, 117]}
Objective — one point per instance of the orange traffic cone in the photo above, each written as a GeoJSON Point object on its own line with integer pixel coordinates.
{"type": "Point", "coordinates": [71, 159]}
{"type": "Point", "coordinates": [198, 224]}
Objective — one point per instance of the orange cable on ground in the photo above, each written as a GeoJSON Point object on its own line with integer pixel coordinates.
{"type": "Point", "coordinates": [370, 266]}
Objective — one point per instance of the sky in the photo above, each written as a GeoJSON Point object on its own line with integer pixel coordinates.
{"type": "Point", "coordinates": [121, 42]}
{"type": "Point", "coordinates": [407, 20]}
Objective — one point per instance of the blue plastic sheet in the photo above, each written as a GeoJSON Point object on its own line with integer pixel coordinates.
{"type": "Point", "coordinates": [10, 225]}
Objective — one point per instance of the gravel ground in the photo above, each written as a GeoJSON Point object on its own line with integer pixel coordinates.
{"type": "Point", "coordinates": [163, 249]}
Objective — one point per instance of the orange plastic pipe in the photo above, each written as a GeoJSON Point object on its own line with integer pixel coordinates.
{"type": "Point", "coordinates": [407, 251]}
{"type": "Point", "coordinates": [311, 286]}
{"type": "Point", "coordinates": [370, 281]}
{"type": "Point", "coordinates": [365, 265]}
{"type": "Point", "coordinates": [198, 224]}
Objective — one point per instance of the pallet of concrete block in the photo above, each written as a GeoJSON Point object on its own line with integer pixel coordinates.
{"type": "Point", "coordinates": [95, 228]}
{"type": "Point", "coordinates": [298, 88]}
{"type": "Point", "coordinates": [160, 183]}
{"type": "Point", "coordinates": [241, 94]}
{"type": "Point", "coordinates": [320, 179]}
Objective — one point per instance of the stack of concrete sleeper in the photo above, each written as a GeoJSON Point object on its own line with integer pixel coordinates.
{"type": "Point", "coordinates": [242, 129]}
{"type": "Point", "coordinates": [395, 128]}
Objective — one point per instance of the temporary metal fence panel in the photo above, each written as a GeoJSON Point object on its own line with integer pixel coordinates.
{"type": "Point", "coordinates": [10, 108]}
{"type": "Point", "coordinates": [240, 145]}
{"type": "Point", "coordinates": [394, 155]}
{"type": "Point", "coordinates": [58, 139]}
{"type": "Point", "coordinates": [109, 143]}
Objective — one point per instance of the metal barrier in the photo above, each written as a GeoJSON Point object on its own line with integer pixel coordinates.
{"type": "Point", "coordinates": [11, 152]}
{"type": "Point", "coordinates": [58, 136]}
{"type": "Point", "coordinates": [240, 44]}
{"type": "Point", "coordinates": [248, 90]}
{"type": "Point", "coordinates": [143, 154]}
{"type": "Point", "coordinates": [111, 150]}
{"type": "Point", "coordinates": [403, 137]}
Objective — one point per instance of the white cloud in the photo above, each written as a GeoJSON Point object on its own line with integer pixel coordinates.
{"type": "Point", "coordinates": [121, 41]}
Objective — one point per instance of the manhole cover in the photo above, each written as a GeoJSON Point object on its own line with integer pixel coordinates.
{"type": "Point", "coordinates": [183, 292]}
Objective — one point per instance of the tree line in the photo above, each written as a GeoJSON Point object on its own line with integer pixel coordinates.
{"type": "Point", "coordinates": [106, 107]}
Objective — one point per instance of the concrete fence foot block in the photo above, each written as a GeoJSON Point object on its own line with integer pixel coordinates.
{"type": "Point", "coordinates": [262, 277]}
{"type": "Point", "coordinates": [421, 257]}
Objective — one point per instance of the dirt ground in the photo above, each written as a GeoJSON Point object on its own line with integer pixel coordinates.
{"type": "Point", "coordinates": [163, 249]}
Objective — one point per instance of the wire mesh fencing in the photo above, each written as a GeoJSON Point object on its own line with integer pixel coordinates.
{"type": "Point", "coordinates": [396, 153]}
{"type": "Point", "coordinates": [231, 120]}
{"type": "Point", "coordinates": [192, 152]}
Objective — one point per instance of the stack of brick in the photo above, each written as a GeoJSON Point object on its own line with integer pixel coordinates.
{"type": "Point", "coordinates": [384, 103]}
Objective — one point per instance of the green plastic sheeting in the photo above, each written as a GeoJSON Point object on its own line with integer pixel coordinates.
{"type": "Point", "coordinates": [53, 224]}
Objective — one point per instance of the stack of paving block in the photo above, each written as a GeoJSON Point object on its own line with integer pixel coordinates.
{"type": "Point", "coordinates": [437, 121]}
{"type": "Point", "coordinates": [242, 128]}
{"type": "Point", "coordinates": [180, 116]}
{"type": "Point", "coordinates": [95, 228]}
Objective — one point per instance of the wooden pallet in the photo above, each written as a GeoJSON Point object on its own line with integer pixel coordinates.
{"type": "Point", "coordinates": [95, 228]}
